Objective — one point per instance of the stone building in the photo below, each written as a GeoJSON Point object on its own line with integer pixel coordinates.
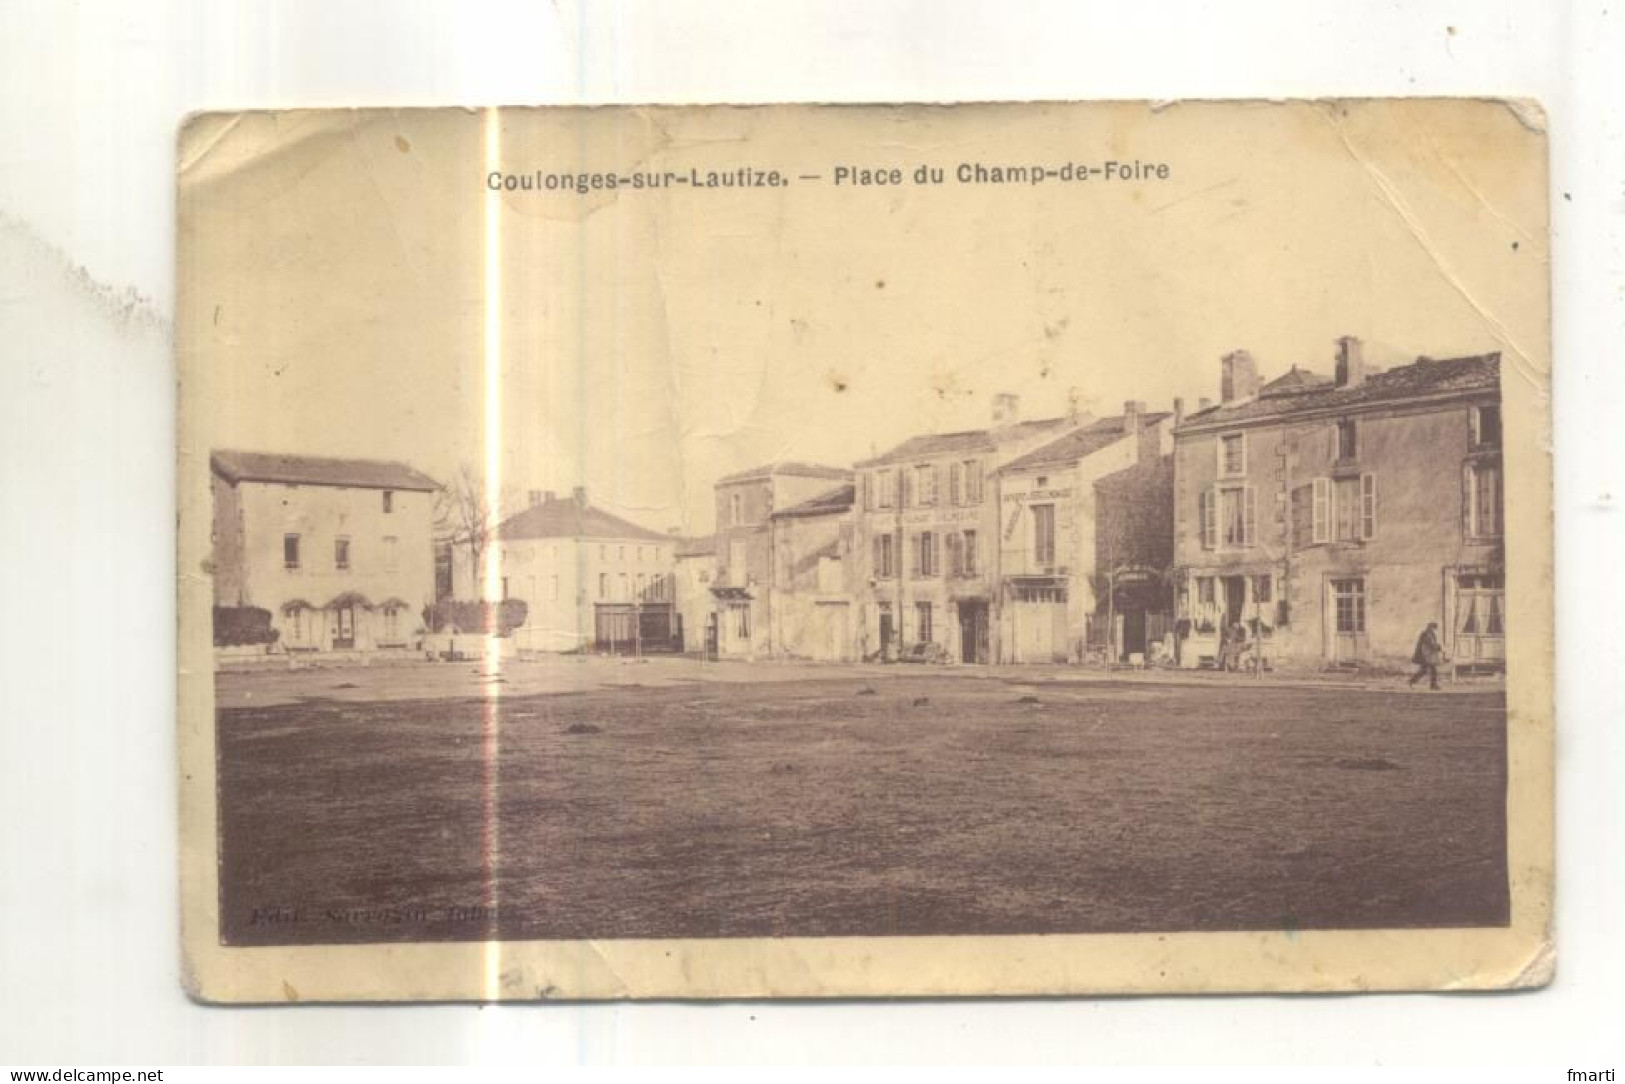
{"type": "Point", "coordinates": [694, 572]}
{"type": "Point", "coordinates": [1087, 540]}
{"type": "Point", "coordinates": [1337, 517]}
{"type": "Point", "coordinates": [338, 550]}
{"type": "Point", "coordinates": [742, 589]}
{"type": "Point", "coordinates": [588, 578]}
{"type": "Point", "coordinates": [813, 582]}
{"type": "Point", "coordinates": [925, 543]}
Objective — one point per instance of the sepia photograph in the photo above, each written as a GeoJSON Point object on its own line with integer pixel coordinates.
{"type": "Point", "coordinates": [874, 550]}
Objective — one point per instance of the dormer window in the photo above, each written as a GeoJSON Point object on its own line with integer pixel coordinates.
{"type": "Point", "coordinates": [1486, 426]}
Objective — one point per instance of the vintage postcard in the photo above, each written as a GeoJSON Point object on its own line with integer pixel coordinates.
{"type": "Point", "coordinates": [805, 551]}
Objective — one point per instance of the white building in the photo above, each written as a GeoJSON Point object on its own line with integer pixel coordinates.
{"type": "Point", "coordinates": [337, 550]}
{"type": "Point", "coordinates": [588, 578]}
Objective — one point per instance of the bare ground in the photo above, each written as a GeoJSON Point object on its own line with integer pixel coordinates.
{"type": "Point", "coordinates": [836, 805]}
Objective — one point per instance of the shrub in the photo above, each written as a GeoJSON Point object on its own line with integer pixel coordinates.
{"type": "Point", "coordinates": [501, 618]}
{"type": "Point", "coordinates": [237, 625]}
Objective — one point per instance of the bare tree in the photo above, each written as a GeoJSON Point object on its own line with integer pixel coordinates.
{"type": "Point", "coordinates": [464, 518]}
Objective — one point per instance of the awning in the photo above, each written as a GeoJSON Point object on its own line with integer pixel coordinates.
{"type": "Point", "coordinates": [348, 598]}
{"type": "Point", "coordinates": [1047, 582]}
{"type": "Point", "coordinates": [732, 594]}
{"type": "Point", "coordinates": [294, 605]}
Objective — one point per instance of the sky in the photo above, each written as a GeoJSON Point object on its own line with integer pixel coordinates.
{"type": "Point", "coordinates": [349, 285]}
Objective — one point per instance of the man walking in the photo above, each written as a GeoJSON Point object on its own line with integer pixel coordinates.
{"type": "Point", "coordinates": [1427, 656]}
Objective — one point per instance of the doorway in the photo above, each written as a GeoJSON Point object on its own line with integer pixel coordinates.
{"type": "Point", "coordinates": [885, 630]}
{"type": "Point", "coordinates": [1235, 599]}
{"type": "Point", "coordinates": [973, 632]}
{"type": "Point", "coordinates": [1346, 601]}
{"type": "Point", "coordinates": [344, 628]}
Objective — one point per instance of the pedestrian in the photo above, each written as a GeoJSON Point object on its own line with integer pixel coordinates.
{"type": "Point", "coordinates": [1427, 656]}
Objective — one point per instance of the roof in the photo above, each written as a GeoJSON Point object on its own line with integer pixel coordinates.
{"type": "Point", "coordinates": [1080, 442]}
{"type": "Point", "coordinates": [800, 470]}
{"type": "Point", "coordinates": [1292, 381]}
{"type": "Point", "coordinates": [570, 518]}
{"type": "Point", "coordinates": [307, 470]}
{"type": "Point", "coordinates": [704, 546]}
{"type": "Point", "coordinates": [971, 440]}
{"type": "Point", "coordinates": [1422, 379]}
{"type": "Point", "coordinates": [834, 501]}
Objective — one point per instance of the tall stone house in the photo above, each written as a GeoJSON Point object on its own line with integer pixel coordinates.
{"type": "Point", "coordinates": [1335, 517]}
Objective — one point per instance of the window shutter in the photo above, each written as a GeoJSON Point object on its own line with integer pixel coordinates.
{"type": "Point", "coordinates": [953, 483]}
{"type": "Point", "coordinates": [1243, 453]}
{"type": "Point", "coordinates": [1249, 527]}
{"type": "Point", "coordinates": [1368, 505]}
{"type": "Point", "coordinates": [1320, 521]}
{"type": "Point", "coordinates": [1475, 427]}
{"type": "Point", "coordinates": [936, 485]}
{"type": "Point", "coordinates": [1207, 514]}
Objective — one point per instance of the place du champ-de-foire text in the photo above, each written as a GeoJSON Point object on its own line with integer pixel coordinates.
{"type": "Point", "coordinates": [853, 176]}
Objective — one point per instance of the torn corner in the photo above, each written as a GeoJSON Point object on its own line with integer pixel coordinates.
{"type": "Point", "coordinates": [1529, 112]}
{"type": "Point", "coordinates": [1539, 970]}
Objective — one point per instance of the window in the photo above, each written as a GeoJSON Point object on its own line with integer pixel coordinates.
{"type": "Point", "coordinates": [925, 554]}
{"type": "Point", "coordinates": [1205, 590]}
{"type": "Point", "coordinates": [1348, 446]}
{"type": "Point", "coordinates": [1229, 518]}
{"type": "Point", "coordinates": [955, 545]}
{"type": "Point", "coordinates": [885, 558]}
{"type": "Point", "coordinates": [1262, 588]}
{"type": "Point", "coordinates": [925, 485]}
{"type": "Point", "coordinates": [624, 587]}
{"type": "Point", "coordinates": [642, 584]}
{"type": "Point", "coordinates": [643, 553]}
{"type": "Point", "coordinates": [973, 481]}
{"type": "Point", "coordinates": [1044, 534]}
{"type": "Point", "coordinates": [742, 621]}
{"type": "Point", "coordinates": [290, 552]}
{"type": "Point", "coordinates": [1481, 605]}
{"type": "Point", "coordinates": [883, 488]}
{"type": "Point", "coordinates": [553, 588]}
{"type": "Point", "coordinates": [922, 621]}
{"type": "Point", "coordinates": [341, 553]}
{"type": "Point", "coordinates": [956, 482]}
{"type": "Point", "coordinates": [603, 585]}
{"type": "Point", "coordinates": [392, 554]}
{"type": "Point", "coordinates": [1321, 518]}
{"type": "Point", "coordinates": [1232, 455]}
{"type": "Point", "coordinates": [1348, 601]}
{"type": "Point", "coordinates": [905, 488]}
{"type": "Point", "coordinates": [603, 552]}
{"type": "Point", "coordinates": [735, 510]}
{"type": "Point", "coordinates": [1346, 509]}
{"type": "Point", "coordinates": [389, 501]}
{"type": "Point", "coordinates": [1483, 500]}
{"type": "Point", "coordinates": [622, 555]}
{"type": "Point", "coordinates": [970, 553]}
{"type": "Point", "coordinates": [1486, 426]}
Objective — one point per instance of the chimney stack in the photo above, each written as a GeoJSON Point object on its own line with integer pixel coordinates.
{"type": "Point", "coordinates": [580, 495]}
{"type": "Point", "coordinates": [1350, 371]}
{"type": "Point", "coordinates": [1238, 378]}
{"type": "Point", "coordinates": [1179, 412]}
{"type": "Point", "coordinates": [1133, 415]}
{"type": "Point", "coordinates": [1073, 400]}
{"type": "Point", "coordinates": [535, 497]}
{"type": "Point", "coordinates": [1006, 409]}
{"type": "Point", "coordinates": [1204, 403]}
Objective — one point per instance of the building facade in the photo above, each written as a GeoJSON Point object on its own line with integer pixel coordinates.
{"type": "Point", "coordinates": [1086, 542]}
{"type": "Point", "coordinates": [694, 572]}
{"type": "Point", "coordinates": [339, 551]}
{"type": "Point", "coordinates": [1332, 519]}
{"type": "Point", "coordinates": [742, 591]}
{"type": "Point", "coordinates": [925, 543]}
{"type": "Point", "coordinates": [589, 579]}
{"type": "Point", "coordinates": [810, 608]}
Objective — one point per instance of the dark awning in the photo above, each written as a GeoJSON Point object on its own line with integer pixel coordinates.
{"type": "Point", "coordinates": [732, 594]}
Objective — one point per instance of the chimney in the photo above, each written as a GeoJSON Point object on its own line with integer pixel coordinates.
{"type": "Point", "coordinates": [1074, 400]}
{"type": "Point", "coordinates": [1006, 409]}
{"type": "Point", "coordinates": [1350, 372]}
{"type": "Point", "coordinates": [1238, 377]}
{"type": "Point", "coordinates": [1179, 412]}
{"type": "Point", "coordinates": [1133, 415]}
{"type": "Point", "coordinates": [1204, 403]}
{"type": "Point", "coordinates": [580, 495]}
{"type": "Point", "coordinates": [535, 497]}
